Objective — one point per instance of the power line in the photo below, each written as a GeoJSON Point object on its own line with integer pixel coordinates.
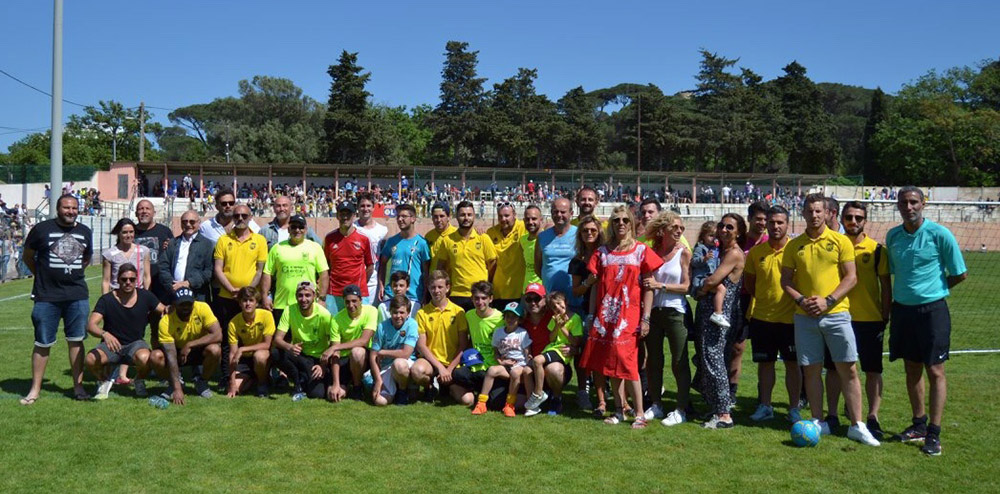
{"type": "Point", "coordinates": [39, 90]}
{"type": "Point", "coordinates": [22, 131]}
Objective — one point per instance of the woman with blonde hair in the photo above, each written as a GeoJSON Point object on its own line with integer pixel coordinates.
{"type": "Point", "coordinates": [620, 308]}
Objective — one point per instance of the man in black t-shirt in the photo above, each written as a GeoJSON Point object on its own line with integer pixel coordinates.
{"type": "Point", "coordinates": [57, 251]}
{"type": "Point", "coordinates": [124, 313]}
{"type": "Point", "coordinates": [155, 237]}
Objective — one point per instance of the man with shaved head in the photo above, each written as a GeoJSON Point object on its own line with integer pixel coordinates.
{"type": "Point", "coordinates": [277, 230]}
{"type": "Point", "coordinates": [155, 237]}
{"type": "Point", "coordinates": [554, 249]}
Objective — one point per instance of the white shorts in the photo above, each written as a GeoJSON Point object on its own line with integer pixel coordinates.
{"type": "Point", "coordinates": [388, 383]}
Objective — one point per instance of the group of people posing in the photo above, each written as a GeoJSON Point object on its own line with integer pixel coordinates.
{"type": "Point", "coordinates": [503, 319]}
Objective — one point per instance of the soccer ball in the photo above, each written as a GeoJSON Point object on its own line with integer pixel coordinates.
{"type": "Point", "coordinates": [805, 433]}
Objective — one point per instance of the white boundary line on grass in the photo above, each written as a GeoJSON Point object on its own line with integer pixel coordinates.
{"type": "Point", "coordinates": [15, 297]}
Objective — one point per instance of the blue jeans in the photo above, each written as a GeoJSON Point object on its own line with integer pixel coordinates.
{"type": "Point", "coordinates": [4, 264]}
{"type": "Point", "coordinates": [45, 317]}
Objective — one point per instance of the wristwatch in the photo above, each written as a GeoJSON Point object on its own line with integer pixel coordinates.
{"type": "Point", "coordinates": [830, 301]}
{"type": "Point", "coordinates": [799, 300]}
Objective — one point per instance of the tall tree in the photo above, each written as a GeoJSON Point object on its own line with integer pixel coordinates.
{"type": "Point", "coordinates": [116, 126]}
{"type": "Point", "coordinates": [878, 112]}
{"type": "Point", "coordinates": [808, 128]}
{"type": "Point", "coordinates": [348, 122]}
{"type": "Point", "coordinates": [457, 119]}
{"type": "Point", "coordinates": [582, 142]}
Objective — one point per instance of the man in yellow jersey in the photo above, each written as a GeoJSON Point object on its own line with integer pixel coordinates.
{"type": "Point", "coordinates": [526, 244]}
{"type": "Point", "coordinates": [190, 336]}
{"type": "Point", "coordinates": [443, 335]}
{"type": "Point", "coordinates": [817, 271]}
{"type": "Point", "coordinates": [239, 261]}
{"type": "Point", "coordinates": [871, 302]}
{"type": "Point", "coordinates": [441, 217]}
{"type": "Point", "coordinates": [509, 276]}
{"type": "Point", "coordinates": [771, 329]}
{"type": "Point", "coordinates": [466, 255]}
{"type": "Point", "coordinates": [352, 331]}
{"type": "Point", "coordinates": [249, 334]}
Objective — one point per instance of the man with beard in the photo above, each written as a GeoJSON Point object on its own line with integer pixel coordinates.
{"type": "Point", "coordinates": [289, 263]}
{"type": "Point", "coordinates": [406, 251]}
{"type": "Point", "coordinates": [220, 224]}
{"type": "Point", "coordinates": [467, 256]}
{"type": "Point", "coordinates": [586, 203]}
{"type": "Point", "coordinates": [154, 237]}
{"type": "Point", "coordinates": [532, 224]}
{"type": "Point", "coordinates": [190, 336]}
{"type": "Point", "coordinates": [441, 217]}
{"type": "Point", "coordinates": [509, 276]}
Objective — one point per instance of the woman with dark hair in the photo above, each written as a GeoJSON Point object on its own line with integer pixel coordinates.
{"type": "Point", "coordinates": [124, 251]}
{"type": "Point", "coordinates": [620, 308]}
{"type": "Point", "coordinates": [713, 371]}
{"type": "Point", "coordinates": [589, 236]}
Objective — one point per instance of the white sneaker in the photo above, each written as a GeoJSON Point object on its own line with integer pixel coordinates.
{"type": "Point", "coordinates": [583, 400]}
{"type": "Point", "coordinates": [103, 389]}
{"type": "Point", "coordinates": [201, 387]}
{"type": "Point", "coordinates": [535, 400]}
{"type": "Point", "coordinates": [654, 412]}
{"type": "Point", "coordinates": [719, 320]}
{"type": "Point", "coordinates": [675, 417]}
{"type": "Point", "coordinates": [140, 388]}
{"type": "Point", "coordinates": [531, 412]}
{"type": "Point", "coordinates": [794, 415]}
{"type": "Point", "coordinates": [824, 428]}
{"type": "Point", "coordinates": [859, 432]}
{"type": "Point", "coordinates": [764, 412]}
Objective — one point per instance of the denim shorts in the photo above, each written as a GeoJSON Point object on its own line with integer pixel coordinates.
{"type": "Point", "coordinates": [45, 317]}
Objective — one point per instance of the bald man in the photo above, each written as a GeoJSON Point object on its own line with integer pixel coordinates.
{"type": "Point", "coordinates": [155, 237]}
{"type": "Point", "coordinates": [554, 249]}
{"type": "Point", "coordinates": [277, 230]}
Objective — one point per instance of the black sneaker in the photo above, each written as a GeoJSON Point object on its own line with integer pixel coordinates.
{"type": "Point", "coordinates": [875, 428]}
{"type": "Point", "coordinates": [932, 445]}
{"type": "Point", "coordinates": [402, 397]}
{"type": "Point", "coordinates": [834, 422]}
{"type": "Point", "coordinates": [914, 433]}
{"type": "Point", "coordinates": [355, 393]}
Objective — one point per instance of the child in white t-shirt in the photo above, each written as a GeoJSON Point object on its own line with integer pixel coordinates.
{"type": "Point", "coordinates": [511, 346]}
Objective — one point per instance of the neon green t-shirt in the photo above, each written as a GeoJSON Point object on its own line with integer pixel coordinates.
{"type": "Point", "coordinates": [481, 333]}
{"type": "Point", "coordinates": [312, 332]}
{"type": "Point", "coordinates": [575, 327]}
{"type": "Point", "coordinates": [528, 250]}
{"type": "Point", "coordinates": [345, 329]}
{"type": "Point", "coordinates": [288, 265]}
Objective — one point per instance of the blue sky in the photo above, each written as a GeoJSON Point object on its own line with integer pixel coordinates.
{"type": "Point", "coordinates": [172, 54]}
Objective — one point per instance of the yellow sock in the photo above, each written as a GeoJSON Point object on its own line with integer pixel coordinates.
{"type": "Point", "coordinates": [511, 399]}
{"type": "Point", "coordinates": [483, 398]}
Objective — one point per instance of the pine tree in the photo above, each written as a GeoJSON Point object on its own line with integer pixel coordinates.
{"type": "Point", "coordinates": [348, 122]}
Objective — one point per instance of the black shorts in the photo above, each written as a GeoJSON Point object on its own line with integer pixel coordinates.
{"type": "Point", "coordinates": [769, 339]}
{"type": "Point", "coordinates": [920, 333]}
{"type": "Point", "coordinates": [868, 336]}
{"type": "Point", "coordinates": [345, 371]}
{"type": "Point", "coordinates": [469, 379]}
{"type": "Point", "coordinates": [553, 356]}
{"type": "Point", "coordinates": [464, 302]}
{"type": "Point", "coordinates": [245, 365]}
{"type": "Point", "coordinates": [195, 357]}
{"type": "Point", "coordinates": [500, 303]}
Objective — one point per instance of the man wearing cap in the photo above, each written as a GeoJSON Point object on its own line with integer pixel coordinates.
{"type": "Point", "coordinates": [406, 251]}
{"type": "Point", "coordinates": [350, 332]}
{"type": "Point", "coordinates": [190, 335]}
{"type": "Point", "coordinates": [536, 317]}
{"type": "Point", "coordinates": [220, 224]}
{"type": "Point", "coordinates": [289, 263]}
{"type": "Point", "coordinates": [239, 261]}
{"type": "Point", "coordinates": [376, 233]}
{"type": "Point", "coordinates": [508, 280]}
{"type": "Point", "coordinates": [188, 260]}
{"type": "Point", "coordinates": [277, 230]}
{"type": "Point", "coordinates": [441, 217]}
{"type": "Point", "coordinates": [466, 255]}
{"type": "Point", "coordinates": [555, 248]}
{"type": "Point", "coordinates": [443, 336]}
{"type": "Point", "coordinates": [349, 254]}
{"type": "Point", "coordinates": [301, 356]}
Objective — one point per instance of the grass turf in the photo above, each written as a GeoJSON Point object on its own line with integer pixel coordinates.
{"type": "Point", "coordinates": [260, 445]}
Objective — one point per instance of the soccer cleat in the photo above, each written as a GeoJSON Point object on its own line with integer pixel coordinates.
{"type": "Point", "coordinates": [298, 396]}
{"type": "Point", "coordinates": [794, 415]}
{"type": "Point", "coordinates": [932, 445]}
{"type": "Point", "coordinates": [508, 410]}
{"type": "Point", "coordinates": [824, 428]}
{"type": "Point", "coordinates": [480, 408]}
{"type": "Point", "coordinates": [654, 412]}
{"type": "Point", "coordinates": [914, 433]}
{"type": "Point", "coordinates": [201, 387]}
{"type": "Point", "coordinates": [764, 412]}
{"type": "Point", "coordinates": [103, 389]}
{"type": "Point", "coordinates": [583, 400]}
{"type": "Point", "coordinates": [719, 320]}
{"type": "Point", "coordinates": [875, 428]}
{"type": "Point", "coordinates": [140, 388]}
{"type": "Point", "coordinates": [716, 423]}
{"type": "Point", "coordinates": [536, 400]}
{"type": "Point", "coordinates": [531, 412]}
{"type": "Point", "coordinates": [859, 432]}
{"type": "Point", "coordinates": [674, 418]}
{"type": "Point", "coordinates": [262, 391]}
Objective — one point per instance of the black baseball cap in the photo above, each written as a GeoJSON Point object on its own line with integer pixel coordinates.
{"type": "Point", "coordinates": [352, 290]}
{"type": "Point", "coordinates": [183, 295]}
{"type": "Point", "coordinates": [346, 206]}
{"type": "Point", "coordinates": [298, 219]}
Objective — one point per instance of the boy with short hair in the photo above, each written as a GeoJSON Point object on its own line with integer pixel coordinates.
{"type": "Point", "coordinates": [392, 354]}
{"type": "Point", "coordinates": [565, 332]}
{"type": "Point", "coordinates": [512, 349]}
{"type": "Point", "coordinates": [399, 282]}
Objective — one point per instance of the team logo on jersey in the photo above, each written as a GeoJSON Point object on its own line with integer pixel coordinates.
{"type": "Point", "coordinates": [253, 245]}
{"type": "Point", "coordinates": [829, 247]}
{"type": "Point", "coordinates": [392, 251]}
{"type": "Point", "coordinates": [479, 246]}
{"type": "Point", "coordinates": [356, 245]}
{"type": "Point", "coordinates": [762, 259]}
{"type": "Point", "coordinates": [305, 256]}
{"type": "Point", "coordinates": [866, 257]}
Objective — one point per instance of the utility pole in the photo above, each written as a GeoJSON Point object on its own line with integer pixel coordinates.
{"type": "Point", "coordinates": [638, 149]}
{"type": "Point", "coordinates": [142, 131]}
{"type": "Point", "coordinates": [55, 148]}
{"type": "Point", "coordinates": [227, 142]}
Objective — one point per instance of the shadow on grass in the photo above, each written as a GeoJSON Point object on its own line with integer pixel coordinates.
{"type": "Point", "coordinates": [19, 388]}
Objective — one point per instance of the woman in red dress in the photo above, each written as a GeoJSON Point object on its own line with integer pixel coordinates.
{"type": "Point", "coordinates": [620, 309]}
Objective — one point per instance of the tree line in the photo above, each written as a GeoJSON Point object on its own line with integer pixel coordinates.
{"type": "Point", "coordinates": [943, 128]}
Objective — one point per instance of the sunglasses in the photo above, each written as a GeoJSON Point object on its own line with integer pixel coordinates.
{"type": "Point", "coordinates": [679, 228]}
{"type": "Point", "coordinates": [241, 216]}
{"type": "Point", "coordinates": [226, 203]}
{"type": "Point", "coordinates": [620, 220]}
{"type": "Point", "coordinates": [189, 222]}
{"type": "Point", "coordinates": [533, 299]}
{"type": "Point", "coordinates": [127, 280]}
{"type": "Point", "coordinates": [853, 217]}
{"type": "Point", "coordinates": [726, 226]}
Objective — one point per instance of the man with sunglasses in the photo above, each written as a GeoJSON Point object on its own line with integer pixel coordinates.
{"type": "Point", "coordinates": [239, 261]}
{"type": "Point", "coordinates": [187, 262]}
{"type": "Point", "coordinates": [509, 277]}
{"type": "Point", "coordinates": [289, 263]}
{"type": "Point", "coordinates": [220, 224]}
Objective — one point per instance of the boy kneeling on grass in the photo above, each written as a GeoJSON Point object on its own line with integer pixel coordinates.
{"type": "Point", "coordinates": [512, 352]}
{"type": "Point", "coordinates": [392, 354]}
{"type": "Point", "coordinates": [249, 333]}
{"type": "Point", "coordinates": [565, 333]}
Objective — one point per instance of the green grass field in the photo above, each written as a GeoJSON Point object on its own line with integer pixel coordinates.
{"type": "Point", "coordinates": [266, 445]}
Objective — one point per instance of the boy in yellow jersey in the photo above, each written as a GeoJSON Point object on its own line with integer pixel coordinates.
{"type": "Point", "coordinates": [190, 336]}
{"type": "Point", "coordinates": [871, 301]}
{"type": "Point", "coordinates": [509, 276]}
{"type": "Point", "coordinates": [249, 334]}
{"type": "Point", "coordinates": [771, 329]}
{"type": "Point", "coordinates": [466, 255]}
{"type": "Point", "coordinates": [443, 336]}
{"type": "Point", "coordinates": [817, 271]}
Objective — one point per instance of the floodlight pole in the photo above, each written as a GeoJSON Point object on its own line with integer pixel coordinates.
{"type": "Point", "coordinates": [55, 147]}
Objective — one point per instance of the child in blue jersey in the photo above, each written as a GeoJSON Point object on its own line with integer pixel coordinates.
{"type": "Point", "coordinates": [392, 354]}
